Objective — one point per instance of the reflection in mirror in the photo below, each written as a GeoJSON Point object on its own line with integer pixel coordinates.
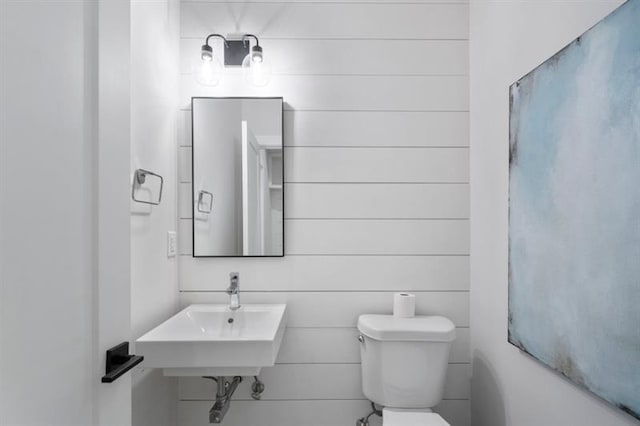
{"type": "Point", "coordinates": [237, 177]}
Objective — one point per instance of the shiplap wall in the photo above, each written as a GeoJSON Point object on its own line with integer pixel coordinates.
{"type": "Point", "coordinates": [377, 196]}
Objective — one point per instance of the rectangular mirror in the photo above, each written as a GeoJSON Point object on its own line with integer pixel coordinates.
{"type": "Point", "coordinates": [238, 176]}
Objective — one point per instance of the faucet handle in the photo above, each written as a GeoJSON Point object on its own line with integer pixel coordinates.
{"type": "Point", "coordinates": [234, 279]}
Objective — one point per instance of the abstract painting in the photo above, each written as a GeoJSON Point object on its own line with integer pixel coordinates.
{"type": "Point", "coordinates": [574, 211]}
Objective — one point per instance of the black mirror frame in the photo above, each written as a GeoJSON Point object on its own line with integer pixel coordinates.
{"type": "Point", "coordinates": [193, 240]}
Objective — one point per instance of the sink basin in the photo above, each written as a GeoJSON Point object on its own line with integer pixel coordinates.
{"type": "Point", "coordinates": [212, 340]}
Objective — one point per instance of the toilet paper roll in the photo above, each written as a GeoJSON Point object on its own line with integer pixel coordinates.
{"type": "Point", "coordinates": [404, 305]}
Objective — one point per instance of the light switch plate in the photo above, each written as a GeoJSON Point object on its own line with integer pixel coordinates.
{"type": "Point", "coordinates": [172, 244]}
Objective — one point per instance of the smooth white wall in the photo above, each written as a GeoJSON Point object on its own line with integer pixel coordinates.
{"type": "Point", "coordinates": [376, 182]}
{"type": "Point", "coordinates": [46, 247]}
{"type": "Point", "coordinates": [154, 288]}
{"type": "Point", "coordinates": [508, 39]}
{"type": "Point", "coordinates": [64, 253]}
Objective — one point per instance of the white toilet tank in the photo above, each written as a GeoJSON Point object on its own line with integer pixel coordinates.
{"type": "Point", "coordinates": [404, 360]}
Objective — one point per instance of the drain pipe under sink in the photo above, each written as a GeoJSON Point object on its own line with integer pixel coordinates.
{"type": "Point", "coordinates": [223, 397]}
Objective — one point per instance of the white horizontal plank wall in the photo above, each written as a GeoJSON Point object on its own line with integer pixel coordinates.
{"type": "Point", "coordinates": [376, 192]}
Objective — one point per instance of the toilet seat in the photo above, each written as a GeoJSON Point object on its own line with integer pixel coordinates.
{"type": "Point", "coordinates": [403, 417]}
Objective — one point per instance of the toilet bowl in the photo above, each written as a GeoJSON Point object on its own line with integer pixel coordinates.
{"type": "Point", "coordinates": [403, 417]}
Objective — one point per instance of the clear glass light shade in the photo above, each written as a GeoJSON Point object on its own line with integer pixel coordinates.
{"type": "Point", "coordinates": [256, 72]}
{"type": "Point", "coordinates": [208, 72]}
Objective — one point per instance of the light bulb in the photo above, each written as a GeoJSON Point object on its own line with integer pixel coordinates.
{"type": "Point", "coordinates": [206, 53]}
{"type": "Point", "coordinates": [256, 69]}
{"type": "Point", "coordinates": [208, 71]}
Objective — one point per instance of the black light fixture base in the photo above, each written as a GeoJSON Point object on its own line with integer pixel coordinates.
{"type": "Point", "coordinates": [234, 52]}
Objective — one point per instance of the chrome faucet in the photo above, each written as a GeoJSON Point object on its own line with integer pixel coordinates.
{"type": "Point", "coordinates": [234, 291]}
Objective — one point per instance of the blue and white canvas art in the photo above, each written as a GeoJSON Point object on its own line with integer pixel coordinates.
{"type": "Point", "coordinates": [574, 211]}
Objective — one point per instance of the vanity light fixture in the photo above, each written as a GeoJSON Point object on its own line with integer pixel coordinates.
{"type": "Point", "coordinates": [256, 51]}
{"type": "Point", "coordinates": [256, 69]}
{"type": "Point", "coordinates": [208, 70]}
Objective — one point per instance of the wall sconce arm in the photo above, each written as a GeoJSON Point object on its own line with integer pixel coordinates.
{"type": "Point", "coordinates": [217, 35]}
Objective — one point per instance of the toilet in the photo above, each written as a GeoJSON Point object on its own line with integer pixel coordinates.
{"type": "Point", "coordinates": [404, 365]}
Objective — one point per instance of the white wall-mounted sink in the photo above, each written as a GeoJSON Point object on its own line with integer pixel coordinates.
{"type": "Point", "coordinates": [212, 340]}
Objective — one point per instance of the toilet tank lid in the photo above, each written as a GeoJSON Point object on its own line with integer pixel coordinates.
{"type": "Point", "coordinates": [418, 328]}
